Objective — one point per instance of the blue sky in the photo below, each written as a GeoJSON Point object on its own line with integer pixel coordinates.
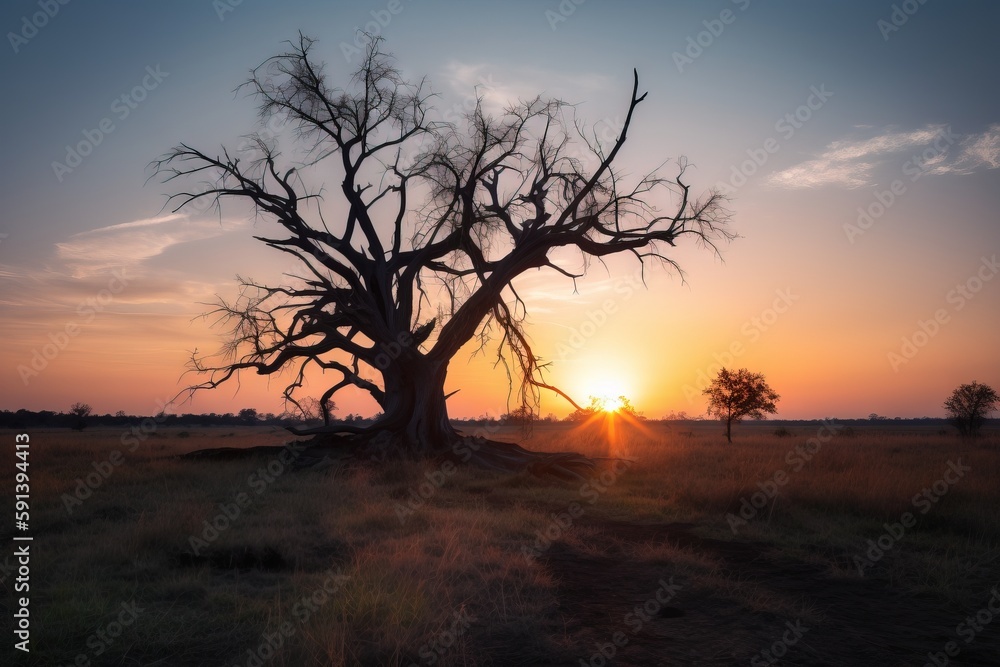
{"type": "Point", "coordinates": [891, 93]}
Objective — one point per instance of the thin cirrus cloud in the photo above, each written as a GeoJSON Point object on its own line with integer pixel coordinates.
{"type": "Point", "coordinates": [97, 282]}
{"type": "Point", "coordinates": [851, 163]}
{"type": "Point", "coordinates": [499, 87]}
{"type": "Point", "coordinates": [88, 262]}
{"type": "Point", "coordinates": [131, 243]}
{"type": "Point", "coordinates": [980, 151]}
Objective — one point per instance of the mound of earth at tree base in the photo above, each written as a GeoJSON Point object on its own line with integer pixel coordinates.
{"type": "Point", "coordinates": [325, 450]}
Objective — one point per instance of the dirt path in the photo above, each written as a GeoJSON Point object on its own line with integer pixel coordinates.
{"type": "Point", "coordinates": [853, 622]}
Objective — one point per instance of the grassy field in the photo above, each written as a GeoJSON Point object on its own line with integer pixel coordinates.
{"type": "Point", "coordinates": [815, 546]}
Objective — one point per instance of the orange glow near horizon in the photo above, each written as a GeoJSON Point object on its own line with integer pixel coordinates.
{"type": "Point", "coordinates": [130, 362]}
{"type": "Point", "coordinates": [820, 335]}
{"type": "Point", "coordinates": [611, 404]}
{"type": "Point", "coordinates": [607, 390]}
{"type": "Point", "coordinates": [614, 427]}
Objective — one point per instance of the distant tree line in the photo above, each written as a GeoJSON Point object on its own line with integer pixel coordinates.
{"type": "Point", "coordinates": [80, 416]}
{"type": "Point", "coordinates": [733, 395]}
{"type": "Point", "coordinates": [22, 419]}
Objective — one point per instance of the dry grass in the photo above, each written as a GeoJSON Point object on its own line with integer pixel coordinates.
{"type": "Point", "coordinates": [460, 551]}
{"type": "Point", "coordinates": [831, 506]}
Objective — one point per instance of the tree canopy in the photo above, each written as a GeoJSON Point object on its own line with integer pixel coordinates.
{"type": "Point", "coordinates": [735, 395]}
{"type": "Point", "coordinates": [414, 253]}
{"type": "Point", "coordinates": [969, 405]}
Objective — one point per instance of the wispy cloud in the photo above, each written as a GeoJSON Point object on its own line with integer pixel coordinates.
{"type": "Point", "coordinates": [500, 87]}
{"type": "Point", "coordinates": [892, 142]}
{"type": "Point", "coordinates": [105, 266]}
{"type": "Point", "coordinates": [979, 151]}
{"type": "Point", "coordinates": [851, 162]}
{"type": "Point", "coordinates": [34, 290]}
{"type": "Point", "coordinates": [145, 222]}
{"type": "Point", "coordinates": [130, 243]}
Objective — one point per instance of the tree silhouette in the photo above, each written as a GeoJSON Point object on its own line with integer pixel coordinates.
{"type": "Point", "coordinates": [733, 395]}
{"type": "Point", "coordinates": [81, 411]}
{"type": "Point", "coordinates": [625, 407]}
{"type": "Point", "coordinates": [969, 405]}
{"type": "Point", "coordinates": [435, 221]}
{"type": "Point", "coordinates": [522, 416]}
{"type": "Point", "coordinates": [312, 412]}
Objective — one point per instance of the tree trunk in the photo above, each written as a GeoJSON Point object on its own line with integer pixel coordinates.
{"type": "Point", "coordinates": [415, 426]}
{"type": "Point", "coordinates": [416, 412]}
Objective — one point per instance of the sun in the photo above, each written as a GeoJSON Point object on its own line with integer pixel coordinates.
{"type": "Point", "coordinates": [605, 393]}
{"type": "Point", "coordinates": [610, 403]}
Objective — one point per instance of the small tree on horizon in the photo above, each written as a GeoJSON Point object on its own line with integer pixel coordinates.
{"type": "Point", "coordinates": [969, 405]}
{"type": "Point", "coordinates": [522, 415]}
{"type": "Point", "coordinates": [734, 395]}
{"type": "Point", "coordinates": [81, 411]}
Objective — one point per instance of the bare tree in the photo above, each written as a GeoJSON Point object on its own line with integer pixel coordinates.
{"type": "Point", "coordinates": [969, 405]}
{"type": "Point", "coordinates": [311, 412]}
{"type": "Point", "coordinates": [522, 416]}
{"type": "Point", "coordinates": [734, 395]}
{"type": "Point", "coordinates": [81, 411]}
{"type": "Point", "coordinates": [423, 259]}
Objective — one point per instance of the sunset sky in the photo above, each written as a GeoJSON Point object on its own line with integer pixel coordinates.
{"type": "Point", "coordinates": [860, 145]}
